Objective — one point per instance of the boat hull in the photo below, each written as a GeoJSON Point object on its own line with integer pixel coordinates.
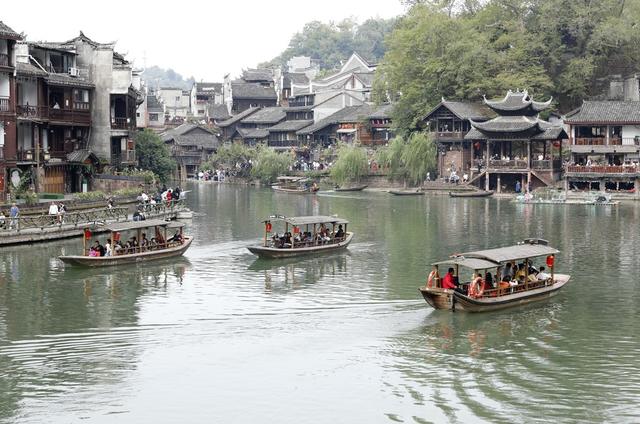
{"type": "Point", "coordinates": [293, 190]}
{"type": "Point", "coordinates": [278, 253]}
{"type": "Point", "coordinates": [356, 188]}
{"type": "Point", "coordinates": [471, 194]}
{"type": "Point", "coordinates": [89, 261]}
{"type": "Point", "coordinates": [448, 299]}
{"type": "Point", "coordinates": [406, 193]}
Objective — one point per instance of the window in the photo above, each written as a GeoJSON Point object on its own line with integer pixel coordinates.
{"type": "Point", "coordinates": [80, 95]}
{"type": "Point", "coordinates": [153, 117]}
{"type": "Point", "coordinates": [137, 114]}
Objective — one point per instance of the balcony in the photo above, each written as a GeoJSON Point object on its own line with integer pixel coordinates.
{"type": "Point", "coordinates": [5, 104]}
{"type": "Point", "coordinates": [34, 112]}
{"type": "Point", "coordinates": [71, 116]}
{"type": "Point", "coordinates": [449, 135]}
{"type": "Point", "coordinates": [601, 141]}
{"type": "Point", "coordinates": [628, 170]}
{"type": "Point", "coordinates": [127, 157]}
{"type": "Point", "coordinates": [4, 60]}
{"type": "Point", "coordinates": [508, 164]}
{"type": "Point", "coordinates": [120, 123]}
{"type": "Point", "coordinates": [188, 158]}
{"type": "Point", "coordinates": [546, 164]}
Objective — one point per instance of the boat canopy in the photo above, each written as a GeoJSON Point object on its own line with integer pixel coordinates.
{"type": "Point", "coordinates": [306, 220]}
{"type": "Point", "coordinates": [124, 226]}
{"type": "Point", "coordinates": [471, 263]}
{"type": "Point", "coordinates": [512, 253]}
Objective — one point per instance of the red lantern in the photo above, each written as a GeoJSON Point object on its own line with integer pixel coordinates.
{"type": "Point", "coordinates": [268, 227]}
{"type": "Point", "coordinates": [296, 230]}
{"type": "Point", "coordinates": [116, 237]}
{"type": "Point", "coordinates": [556, 144]}
{"type": "Point", "coordinates": [87, 234]}
{"type": "Point", "coordinates": [550, 260]}
{"type": "Point", "coordinates": [476, 145]}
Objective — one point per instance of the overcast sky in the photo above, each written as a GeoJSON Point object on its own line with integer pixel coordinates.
{"type": "Point", "coordinates": [202, 39]}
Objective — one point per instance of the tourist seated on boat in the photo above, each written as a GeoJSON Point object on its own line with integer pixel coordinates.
{"type": "Point", "coordinates": [339, 233]}
{"type": "Point", "coordinates": [138, 216]}
{"type": "Point", "coordinates": [488, 281]}
{"type": "Point", "coordinates": [542, 275]}
{"type": "Point", "coordinates": [507, 273]}
{"type": "Point", "coordinates": [144, 242]}
{"type": "Point", "coordinates": [108, 249]}
{"type": "Point", "coordinates": [177, 238]}
{"type": "Point", "coordinates": [153, 243]}
{"type": "Point", "coordinates": [93, 252]}
{"type": "Point", "coordinates": [99, 248]}
{"type": "Point", "coordinates": [118, 248]}
{"type": "Point", "coordinates": [448, 282]}
{"type": "Point", "coordinates": [133, 245]}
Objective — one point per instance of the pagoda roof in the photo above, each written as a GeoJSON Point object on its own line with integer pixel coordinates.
{"type": "Point", "coordinates": [517, 101]}
{"type": "Point", "coordinates": [516, 127]}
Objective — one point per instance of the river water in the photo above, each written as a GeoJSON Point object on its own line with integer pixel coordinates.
{"type": "Point", "coordinates": [219, 336]}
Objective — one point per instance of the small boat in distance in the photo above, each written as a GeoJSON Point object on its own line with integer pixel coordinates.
{"type": "Point", "coordinates": [351, 188]}
{"type": "Point", "coordinates": [302, 235]}
{"type": "Point", "coordinates": [474, 193]}
{"type": "Point", "coordinates": [416, 192]}
{"type": "Point", "coordinates": [138, 248]}
{"type": "Point", "coordinates": [495, 285]}
{"type": "Point", "coordinates": [299, 185]}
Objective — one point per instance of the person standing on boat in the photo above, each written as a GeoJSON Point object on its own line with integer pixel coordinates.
{"type": "Point", "coordinates": [449, 282]}
{"type": "Point", "coordinates": [518, 187]}
{"type": "Point", "coordinates": [14, 212]}
{"type": "Point", "coordinates": [542, 276]}
{"type": "Point", "coordinates": [108, 249]}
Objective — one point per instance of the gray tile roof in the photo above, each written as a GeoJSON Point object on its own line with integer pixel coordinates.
{"type": "Point", "coordinates": [257, 75]}
{"type": "Point", "coordinates": [81, 155]}
{"type": "Point", "coordinates": [267, 115]}
{"type": "Point", "coordinates": [208, 87]}
{"type": "Point", "coordinates": [347, 114]}
{"type": "Point", "coordinates": [68, 81]}
{"type": "Point", "coordinates": [606, 112]}
{"type": "Point", "coordinates": [287, 126]}
{"type": "Point", "coordinates": [6, 32]}
{"type": "Point", "coordinates": [507, 124]}
{"type": "Point", "coordinates": [238, 117]}
{"type": "Point", "coordinates": [257, 133]}
{"type": "Point", "coordinates": [191, 135]}
{"type": "Point", "coordinates": [218, 112]}
{"type": "Point", "coordinates": [465, 110]}
{"type": "Point", "coordinates": [542, 130]}
{"type": "Point", "coordinates": [515, 101]}
{"type": "Point", "coordinates": [382, 112]}
{"type": "Point", "coordinates": [297, 78]}
{"type": "Point", "coordinates": [29, 69]}
{"type": "Point", "coordinates": [252, 91]}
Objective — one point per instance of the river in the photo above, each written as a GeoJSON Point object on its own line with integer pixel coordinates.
{"type": "Point", "coordinates": [219, 336]}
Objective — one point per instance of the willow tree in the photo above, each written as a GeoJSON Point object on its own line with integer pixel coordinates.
{"type": "Point", "coordinates": [270, 164]}
{"type": "Point", "coordinates": [390, 158]}
{"type": "Point", "coordinates": [351, 165]}
{"type": "Point", "coordinates": [419, 157]}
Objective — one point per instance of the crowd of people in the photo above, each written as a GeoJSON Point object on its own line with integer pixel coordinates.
{"type": "Point", "coordinates": [507, 276]}
{"type": "Point", "coordinates": [306, 238]}
{"type": "Point", "coordinates": [133, 245]}
{"type": "Point", "coordinates": [10, 222]}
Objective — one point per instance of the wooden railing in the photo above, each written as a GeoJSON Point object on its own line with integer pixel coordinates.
{"type": "Point", "coordinates": [602, 141]}
{"type": "Point", "coordinates": [603, 169]}
{"type": "Point", "coordinates": [5, 104]}
{"type": "Point", "coordinates": [119, 123]}
{"type": "Point", "coordinates": [454, 135]}
{"type": "Point", "coordinates": [70, 115]}
{"type": "Point", "coordinates": [508, 164]}
{"type": "Point", "coordinates": [283, 143]}
{"type": "Point", "coordinates": [69, 219]}
{"type": "Point", "coordinates": [546, 164]}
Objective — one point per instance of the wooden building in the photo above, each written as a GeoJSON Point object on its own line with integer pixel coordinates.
{"type": "Point", "coordinates": [516, 145]}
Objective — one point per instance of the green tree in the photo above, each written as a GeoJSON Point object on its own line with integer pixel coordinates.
{"type": "Point", "coordinates": [419, 157]}
{"type": "Point", "coordinates": [269, 164]}
{"type": "Point", "coordinates": [154, 155]}
{"type": "Point", "coordinates": [352, 164]}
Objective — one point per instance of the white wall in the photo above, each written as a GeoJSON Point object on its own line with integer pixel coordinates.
{"type": "Point", "coordinates": [4, 47]}
{"type": "Point", "coordinates": [4, 85]}
{"type": "Point", "coordinates": [28, 93]}
{"type": "Point", "coordinates": [629, 132]}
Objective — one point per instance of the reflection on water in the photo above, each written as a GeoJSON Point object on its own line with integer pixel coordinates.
{"type": "Point", "coordinates": [185, 340]}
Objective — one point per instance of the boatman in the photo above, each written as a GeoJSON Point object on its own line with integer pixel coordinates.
{"type": "Point", "coordinates": [449, 282]}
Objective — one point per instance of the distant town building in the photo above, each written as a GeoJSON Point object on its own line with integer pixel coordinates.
{"type": "Point", "coordinates": [190, 145]}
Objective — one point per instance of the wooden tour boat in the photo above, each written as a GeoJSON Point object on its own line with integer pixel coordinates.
{"type": "Point", "coordinates": [474, 193]}
{"type": "Point", "coordinates": [473, 296]}
{"type": "Point", "coordinates": [159, 246]}
{"type": "Point", "coordinates": [351, 188]}
{"type": "Point", "coordinates": [303, 235]}
{"type": "Point", "coordinates": [297, 185]}
{"type": "Point", "coordinates": [416, 192]}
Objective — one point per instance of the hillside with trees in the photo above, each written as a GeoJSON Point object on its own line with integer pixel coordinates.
{"type": "Point", "coordinates": [464, 49]}
{"type": "Point", "coordinates": [332, 43]}
{"type": "Point", "coordinates": [159, 77]}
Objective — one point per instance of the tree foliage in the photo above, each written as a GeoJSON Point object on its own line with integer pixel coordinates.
{"type": "Point", "coordinates": [231, 154]}
{"type": "Point", "coordinates": [409, 158]}
{"type": "Point", "coordinates": [153, 155]}
{"type": "Point", "coordinates": [332, 43]}
{"type": "Point", "coordinates": [351, 165]}
{"type": "Point", "coordinates": [160, 77]}
{"type": "Point", "coordinates": [270, 164]}
{"type": "Point", "coordinates": [464, 49]}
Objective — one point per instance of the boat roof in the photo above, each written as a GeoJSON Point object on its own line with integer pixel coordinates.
{"type": "Point", "coordinates": [471, 263]}
{"type": "Point", "coordinates": [304, 220]}
{"type": "Point", "coordinates": [512, 253]}
{"type": "Point", "coordinates": [290, 178]}
{"type": "Point", "coordinates": [124, 226]}
{"type": "Point", "coordinates": [491, 258]}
